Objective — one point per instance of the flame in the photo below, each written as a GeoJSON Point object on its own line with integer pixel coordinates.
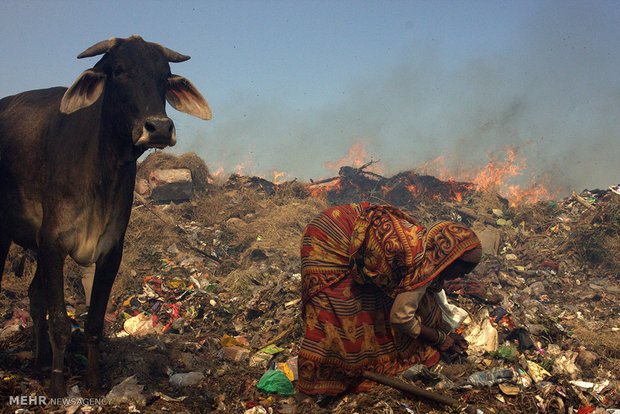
{"type": "Point", "coordinates": [496, 175]}
{"type": "Point", "coordinates": [247, 166]}
{"type": "Point", "coordinates": [505, 172]}
{"type": "Point", "coordinates": [533, 193]}
{"type": "Point", "coordinates": [356, 157]}
{"type": "Point", "coordinates": [217, 176]}
{"type": "Point", "coordinates": [277, 176]}
{"type": "Point", "coordinates": [458, 194]}
{"type": "Point", "coordinates": [321, 190]}
{"type": "Point", "coordinates": [239, 168]}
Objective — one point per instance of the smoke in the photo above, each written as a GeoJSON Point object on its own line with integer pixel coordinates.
{"type": "Point", "coordinates": [553, 94]}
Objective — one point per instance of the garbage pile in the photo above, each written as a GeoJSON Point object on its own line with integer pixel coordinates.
{"type": "Point", "coordinates": [406, 188]}
{"type": "Point", "coordinates": [205, 313]}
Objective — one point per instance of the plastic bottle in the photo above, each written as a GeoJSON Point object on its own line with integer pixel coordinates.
{"type": "Point", "coordinates": [491, 376]}
{"type": "Point", "coordinates": [186, 379]}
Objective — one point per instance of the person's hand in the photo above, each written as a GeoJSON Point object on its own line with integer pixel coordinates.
{"type": "Point", "coordinates": [460, 344]}
{"type": "Point", "coordinates": [453, 342]}
{"type": "Point", "coordinates": [445, 342]}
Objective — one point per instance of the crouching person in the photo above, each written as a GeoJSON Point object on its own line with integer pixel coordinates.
{"type": "Point", "coordinates": [369, 274]}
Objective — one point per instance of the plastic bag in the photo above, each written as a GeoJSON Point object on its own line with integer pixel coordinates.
{"type": "Point", "coordinates": [127, 391]}
{"type": "Point", "coordinates": [451, 314]}
{"type": "Point", "coordinates": [491, 376]}
{"type": "Point", "coordinates": [276, 381]}
{"type": "Point", "coordinates": [186, 379]}
{"type": "Point", "coordinates": [507, 352]}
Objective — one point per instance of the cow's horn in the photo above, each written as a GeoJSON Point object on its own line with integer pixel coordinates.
{"type": "Point", "coordinates": [173, 56]}
{"type": "Point", "coordinates": [99, 48]}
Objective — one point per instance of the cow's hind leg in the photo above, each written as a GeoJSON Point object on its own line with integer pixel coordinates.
{"type": "Point", "coordinates": [105, 273]}
{"type": "Point", "coordinates": [38, 312]}
{"type": "Point", "coordinates": [50, 265]}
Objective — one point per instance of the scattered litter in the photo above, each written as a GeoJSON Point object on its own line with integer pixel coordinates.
{"type": "Point", "coordinates": [509, 389]}
{"type": "Point", "coordinates": [187, 379]}
{"type": "Point", "coordinates": [142, 324]}
{"type": "Point", "coordinates": [128, 391]}
{"type": "Point", "coordinates": [537, 372]}
{"type": "Point", "coordinates": [213, 300]}
{"type": "Point", "coordinates": [276, 382]}
{"type": "Point", "coordinates": [490, 377]}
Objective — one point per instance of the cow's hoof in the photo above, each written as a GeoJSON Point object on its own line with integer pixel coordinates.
{"type": "Point", "coordinates": [58, 388]}
{"type": "Point", "coordinates": [94, 383]}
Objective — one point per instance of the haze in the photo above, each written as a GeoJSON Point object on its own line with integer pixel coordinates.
{"type": "Point", "coordinates": [293, 85]}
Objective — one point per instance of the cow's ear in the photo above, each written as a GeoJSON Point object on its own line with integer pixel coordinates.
{"type": "Point", "coordinates": [84, 92]}
{"type": "Point", "coordinates": [184, 97]}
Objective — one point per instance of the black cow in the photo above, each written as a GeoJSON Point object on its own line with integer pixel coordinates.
{"type": "Point", "coordinates": [67, 171]}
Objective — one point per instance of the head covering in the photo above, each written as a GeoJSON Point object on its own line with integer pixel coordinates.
{"type": "Point", "coordinates": [443, 244]}
{"type": "Point", "coordinates": [398, 254]}
{"type": "Point", "coordinates": [472, 256]}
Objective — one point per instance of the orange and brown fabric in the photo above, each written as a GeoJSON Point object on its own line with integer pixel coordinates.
{"type": "Point", "coordinates": [355, 259]}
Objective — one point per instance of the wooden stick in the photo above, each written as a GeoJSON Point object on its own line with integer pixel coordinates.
{"type": "Point", "coordinates": [278, 337]}
{"type": "Point", "coordinates": [326, 180]}
{"type": "Point", "coordinates": [170, 221]}
{"type": "Point", "coordinates": [153, 209]}
{"type": "Point", "coordinates": [583, 201]}
{"type": "Point", "coordinates": [408, 388]}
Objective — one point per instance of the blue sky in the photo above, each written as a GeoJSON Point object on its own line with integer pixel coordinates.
{"type": "Point", "coordinates": [295, 84]}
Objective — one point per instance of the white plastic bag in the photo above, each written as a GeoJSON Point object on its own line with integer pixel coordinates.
{"type": "Point", "coordinates": [452, 315]}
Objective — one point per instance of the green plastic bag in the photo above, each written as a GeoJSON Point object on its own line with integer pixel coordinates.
{"type": "Point", "coordinates": [276, 381]}
{"type": "Point", "coordinates": [508, 352]}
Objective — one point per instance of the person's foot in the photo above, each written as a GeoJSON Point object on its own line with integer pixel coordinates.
{"type": "Point", "coordinates": [300, 397]}
{"type": "Point", "coordinates": [323, 400]}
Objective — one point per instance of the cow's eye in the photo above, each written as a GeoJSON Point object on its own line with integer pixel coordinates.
{"type": "Point", "coordinates": [118, 70]}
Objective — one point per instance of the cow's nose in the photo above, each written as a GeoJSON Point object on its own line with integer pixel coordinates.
{"type": "Point", "coordinates": [159, 132]}
{"type": "Point", "coordinates": [159, 126]}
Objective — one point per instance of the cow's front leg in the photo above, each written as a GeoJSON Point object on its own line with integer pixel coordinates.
{"type": "Point", "coordinates": [50, 266]}
{"type": "Point", "coordinates": [37, 293]}
{"type": "Point", "coordinates": [5, 243]}
{"type": "Point", "coordinates": [105, 273]}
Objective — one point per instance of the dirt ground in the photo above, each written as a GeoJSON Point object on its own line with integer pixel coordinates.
{"type": "Point", "coordinates": [223, 269]}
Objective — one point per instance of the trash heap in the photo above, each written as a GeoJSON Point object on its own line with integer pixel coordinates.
{"type": "Point", "coordinates": [205, 313]}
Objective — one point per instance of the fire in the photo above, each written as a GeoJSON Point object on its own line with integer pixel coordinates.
{"type": "Point", "coordinates": [356, 157]}
{"type": "Point", "coordinates": [321, 190]}
{"type": "Point", "coordinates": [246, 166]}
{"type": "Point", "coordinates": [442, 179]}
{"type": "Point", "coordinates": [533, 193]}
{"type": "Point", "coordinates": [458, 193]}
{"type": "Point", "coordinates": [496, 175]}
{"type": "Point", "coordinates": [239, 168]}
{"type": "Point", "coordinates": [277, 176]}
{"type": "Point", "coordinates": [217, 176]}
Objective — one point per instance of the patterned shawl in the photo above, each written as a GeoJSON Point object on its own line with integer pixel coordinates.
{"type": "Point", "coordinates": [379, 245]}
{"type": "Point", "coordinates": [395, 252]}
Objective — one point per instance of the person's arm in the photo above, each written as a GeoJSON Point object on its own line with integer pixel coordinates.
{"type": "Point", "coordinates": [403, 316]}
{"type": "Point", "coordinates": [436, 337]}
{"type": "Point", "coordinates": [403, 319]}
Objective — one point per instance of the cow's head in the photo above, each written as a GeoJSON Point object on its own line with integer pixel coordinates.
{"type": "Point", "coordinates": [135, 78]}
